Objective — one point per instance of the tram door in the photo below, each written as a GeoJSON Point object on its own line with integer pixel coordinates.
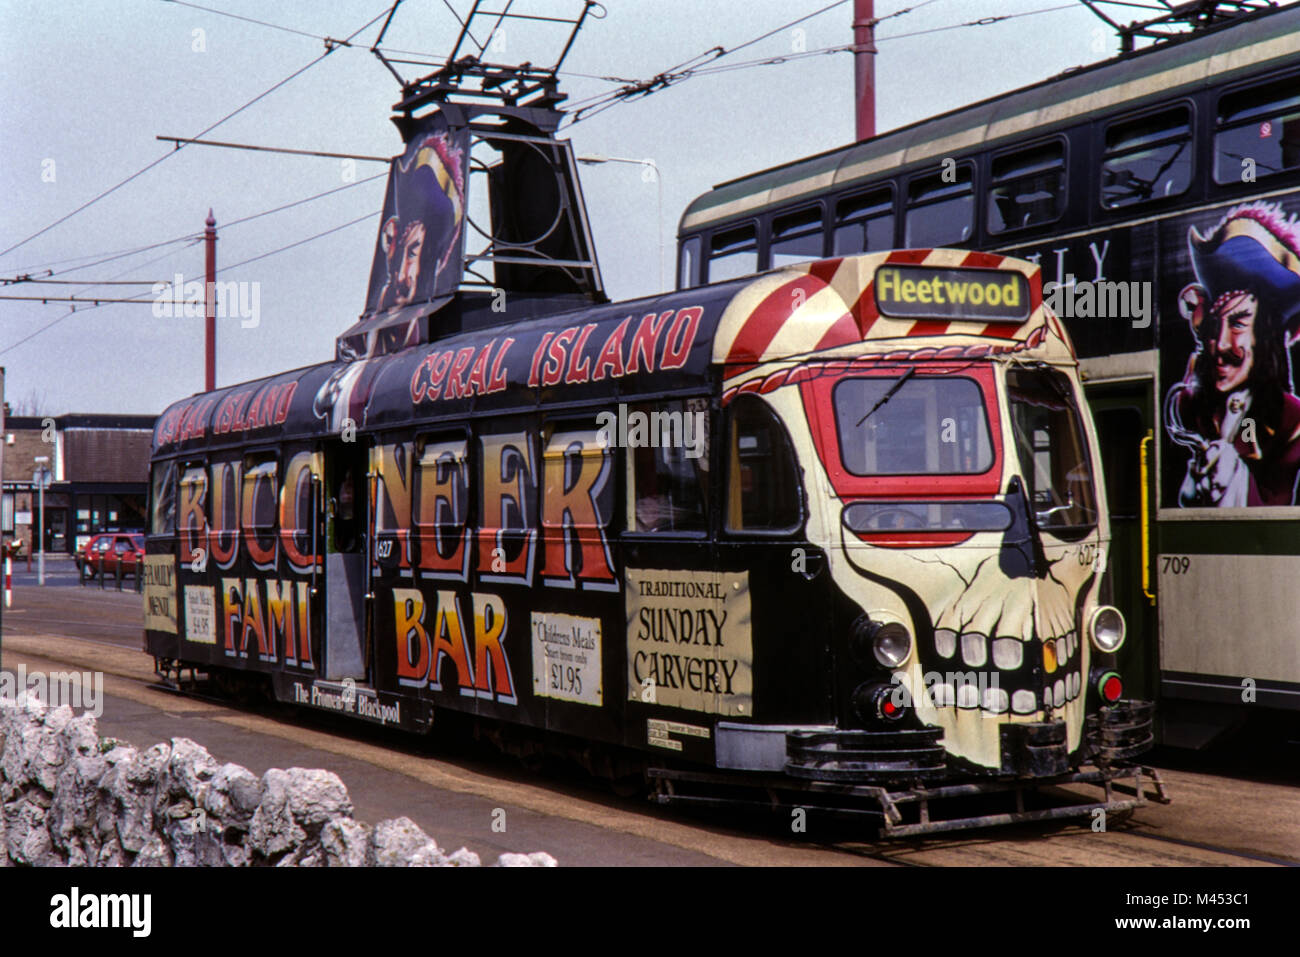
{"type": "Point", "coordinates": [1123, 415]}
{"type": "Point", "coordinates": [346, 572]}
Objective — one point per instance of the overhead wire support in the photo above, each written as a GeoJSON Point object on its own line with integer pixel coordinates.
{"type": "Point", "coordinates": [183, 140]}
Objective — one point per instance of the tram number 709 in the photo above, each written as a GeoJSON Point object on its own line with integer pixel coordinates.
{"type": "Point", "coordinates": [1175, 564]}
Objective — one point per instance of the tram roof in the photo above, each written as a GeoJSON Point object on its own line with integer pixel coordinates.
{"type": "Point", "coordinates": [1260, 42]}
{"type": "Point", "coordinates": [682, 343]}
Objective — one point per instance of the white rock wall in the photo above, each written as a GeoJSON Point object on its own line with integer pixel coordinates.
{"type": "Point", "coordinates": [71, 798]}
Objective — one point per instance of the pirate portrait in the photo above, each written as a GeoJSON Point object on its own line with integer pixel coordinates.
{"type": "Point", "coordinates": [1235, 409]}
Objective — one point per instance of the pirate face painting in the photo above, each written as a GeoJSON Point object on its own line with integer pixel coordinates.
{"type": "Point", "coordinates": [421, 232]}
{"type": "Point", "coordinates": [1235, 409]}
{"type": "Point", "coordinates": [1234, 350]}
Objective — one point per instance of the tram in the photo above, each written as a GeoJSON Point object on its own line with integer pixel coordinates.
{"type": "Point", "coordinates": [1160, 193]}
{"type": "Point", "coordinates": [837, 531]}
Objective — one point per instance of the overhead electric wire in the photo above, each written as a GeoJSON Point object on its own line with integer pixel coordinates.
{"type": "Point", "coordinates": [93, 304]}
{"type": "Point", "coordinates": [110, 256]}
{"type": "Point", "coordinates": [179, 146]}
{"type": "Point", "coordinates": [73, 311]}
{"type": "Point", "coordinates": [194, 236]}
{"type": "Point", "coordinates": [273, 252]}
{"type": "Point", "coordinates": [594, 105]}
{"type": "Point", "coordinates": [262, 23]}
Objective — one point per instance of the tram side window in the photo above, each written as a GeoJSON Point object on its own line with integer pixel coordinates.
{"type": "Point", "coordinates": [260, 494]}
{"type": "Point", "coordinates": [797, 237]}
{"type": "Point", "coordinates": [1147, 158]}
{"type": "Point", "coordinates": [577, 472]}
{"type": "Point", "coordinates": [865, 223]}
{"type": "Point", "coordinates": [1258, 132]}
{"type": "Point", "coordinates": [732, 254]}
{"type": "Point", "coordinates": [163, 519]}
{"type": "Point", "coordinates": [668, 466]}
{"type": "Point", "coordinates": [940, 211]}
{"type": "Point", "coordinates": [762, 484]}
{"type": "Point", "coordinates": [193, 509]}
{"type": "Point", "coordinates": [1028, 188]}
{"type": "Point", "coordinates": [440, 502]}
{"type": "Point", "coordinates": [689, 263]}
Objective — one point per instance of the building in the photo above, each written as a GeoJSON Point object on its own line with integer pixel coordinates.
{"type": "Point", "coordinates": [99, 480]}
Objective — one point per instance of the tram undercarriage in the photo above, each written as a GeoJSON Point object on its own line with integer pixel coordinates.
{"type": "Point", "coordinates": [898, 777]}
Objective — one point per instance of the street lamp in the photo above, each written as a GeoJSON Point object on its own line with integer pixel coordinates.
{"type": "Point", "coordinates": [42, 476]}
{"type": "Point", "coordinates": [597, 158]}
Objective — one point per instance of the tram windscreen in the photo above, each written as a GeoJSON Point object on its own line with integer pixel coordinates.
{"type": "Point", "coordinates": [1052, 449]}
{"type": "Point", "coordinates": [913, 425]}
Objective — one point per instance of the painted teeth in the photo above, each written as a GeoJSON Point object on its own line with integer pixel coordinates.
{"type": "Point", "coordinates": [942, 695]}
{"type": "Point", "coordinates": [1024, 702]}
{"type": "Point", "coordinates": [996, 700]}
{"type": "Point", "coordinates": [968, 696]}
{"type": "Point", "coordinates": [1008, 653]}
{"type": "Point", "coordinates": [1058, 693]}
{"type": "Point", "coordinates": [1062, 651]}
{"type": "Point", "coordinates": [945, 642]}
{"type": "Point", "coordinates": [974, 649]}
{"type": "Point", "coordinates": [1072, 685]}
{"type": "Point", "coordinates": [1071, 643]}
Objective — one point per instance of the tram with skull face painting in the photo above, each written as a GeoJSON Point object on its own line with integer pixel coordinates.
{"type": "Point", "coordinates": [840, 525]}
{"type": "Point", "coordinates": [836, 531]}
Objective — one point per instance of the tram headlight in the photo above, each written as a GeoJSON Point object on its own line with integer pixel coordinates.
{"type": "Point", "coordinates": [1107, 628]}
{"type": "Point", "coordinates": [892, 644]}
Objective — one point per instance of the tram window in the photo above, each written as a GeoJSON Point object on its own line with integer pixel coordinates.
{"type": "Point", "coordinates": [689, 263]}
{"type": "Point", "coordinates": [668, 482]}
{"type": "Point", "coordinates": [932, 425]}
{"type": "Point", "coordinates": [796, 237]}
{"type": "Point", "coordinates": [1050, 444]}
{"type": "Point", "coordinates": [260, 494]}
{"type": "Point", "coordinates": [1259, 131]}
{"type": "Point", "coordinates": [163, 520]}
{"type": "Point", "coordinates": [940, 212]}
{"type": "Point", "coordinates": [865, 223]}
{"type": "Point", "coordinates": [1028, 188]}
{"type": "Point", "coordinates": [392, 465]}
{"type": "Point", "coordinates": [192, 508]}
{"type": "Point", "coordinates": [762, 484]}
{"type": "Point", "coordinates": [733, 254]}
{"type": "Point", "coordinates": [1147, 158]}
{"type": "Point", "coordinates": [441, 500]}
{"type": "Point", "coordinates": [577, 467]}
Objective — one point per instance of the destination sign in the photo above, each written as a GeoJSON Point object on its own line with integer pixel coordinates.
{"type": "Point", "coordinates": [925, 292]}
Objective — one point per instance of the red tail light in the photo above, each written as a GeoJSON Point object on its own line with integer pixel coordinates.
{"type": "Point", "coordinates": [1110, 687]}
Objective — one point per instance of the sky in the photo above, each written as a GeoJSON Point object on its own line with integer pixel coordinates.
{"type": "Point", "coordinates": [88, 85]}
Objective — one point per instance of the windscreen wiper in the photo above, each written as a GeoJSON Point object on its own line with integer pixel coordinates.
{"type": "Point", "coordinates": [889, 394]}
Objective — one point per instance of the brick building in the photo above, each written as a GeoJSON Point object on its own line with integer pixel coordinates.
{"type": "Point", "coordinates": [100, 466]}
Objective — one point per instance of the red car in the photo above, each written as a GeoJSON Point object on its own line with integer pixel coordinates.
{"type": "Point", "coordinates": [103, 553]}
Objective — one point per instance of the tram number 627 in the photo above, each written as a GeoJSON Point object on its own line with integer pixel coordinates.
{"type": "Point", "coordinates": [1175, 564]}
